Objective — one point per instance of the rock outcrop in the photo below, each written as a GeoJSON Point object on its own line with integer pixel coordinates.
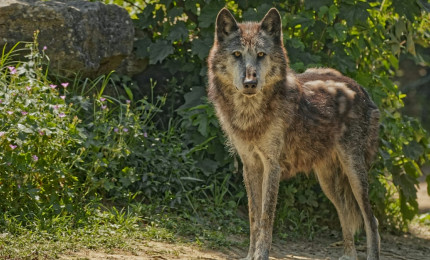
{"type": "Point", "coordinates": [80, 36]}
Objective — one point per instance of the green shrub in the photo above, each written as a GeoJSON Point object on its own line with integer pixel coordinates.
{"type": "Point", "coordinates": [38, 134]}
{"type": "Point", "coordinates": [67, 146]}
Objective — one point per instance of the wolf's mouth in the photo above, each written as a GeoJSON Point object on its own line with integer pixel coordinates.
{"type": "Point", "coordinates": [249, 91]}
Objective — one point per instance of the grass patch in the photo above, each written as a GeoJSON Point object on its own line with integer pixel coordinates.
{"type": "Point", "coordinates": [110, 230]}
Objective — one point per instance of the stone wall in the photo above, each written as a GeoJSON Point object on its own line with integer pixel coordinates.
{"type": "Point", "coordinates": [80, 36]}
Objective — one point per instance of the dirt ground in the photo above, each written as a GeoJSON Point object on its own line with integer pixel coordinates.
{"type": "Point", "coordinates": [412, 246]}
{"type": "Point", "coordinates": [393, 247]}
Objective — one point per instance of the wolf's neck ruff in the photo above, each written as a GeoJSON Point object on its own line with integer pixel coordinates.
{"type": "Point", "coordinates": [249, 116]}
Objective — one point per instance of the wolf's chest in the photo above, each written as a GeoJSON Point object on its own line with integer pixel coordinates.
{"type": "Point", "coordinates": [248, 111]}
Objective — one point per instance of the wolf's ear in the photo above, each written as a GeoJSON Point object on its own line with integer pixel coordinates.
{"type": "Point", "coordinates": [225, 24]}
{"type": "Point", "coordinates": [272, 24]}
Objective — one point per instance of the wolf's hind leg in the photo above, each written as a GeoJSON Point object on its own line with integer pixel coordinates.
{"type": "Point", "coordinates": [355, 168]}
{"type": "Point", "coordinates": [336, 187]}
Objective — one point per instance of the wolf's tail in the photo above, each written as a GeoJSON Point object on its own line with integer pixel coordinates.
{"type": "Point", "coordinates": [373, 136]}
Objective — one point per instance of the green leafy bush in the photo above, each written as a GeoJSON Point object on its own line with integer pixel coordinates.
{"type": "Point", "coordinates": [38, 132]}
{"type": "Point", "coordinates": [360, 38]}
{"type": "Point", "coordinates": [65, 146]}
{"type": "Point", "coordinates": [127, 155]}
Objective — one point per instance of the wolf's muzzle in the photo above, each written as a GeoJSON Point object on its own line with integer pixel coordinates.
{"type": "Point", "coordinates": [250, 86]}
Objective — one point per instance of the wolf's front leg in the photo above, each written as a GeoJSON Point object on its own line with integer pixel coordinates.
{"type": "Point", "coordinates": [253, 178]}
{"type": "Point", "coordinates": [271, 178]}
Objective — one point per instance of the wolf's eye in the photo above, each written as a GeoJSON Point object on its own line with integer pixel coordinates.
{"type": "Point", "coordinates": [237, 54]}
{"type": "Point", "coordinates": [261, 54]}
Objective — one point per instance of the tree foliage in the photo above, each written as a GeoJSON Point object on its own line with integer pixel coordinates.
{"type": "Point", "coordinates": [362, 39]}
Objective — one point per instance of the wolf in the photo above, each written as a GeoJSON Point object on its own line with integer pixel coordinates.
{"type": "Point", "coordinates": [282, 123]}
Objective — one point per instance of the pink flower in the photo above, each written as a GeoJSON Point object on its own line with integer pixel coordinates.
{"type": "Point", "coordinates": [28, 88]}
{"type": "Point", "coordinates": [65, 84]}
{"type": "Point", "coordinates": [102, 99]}
{"type": "Point", "coordinates": [24, 113]}
{"type": "Point", "coordinates": [145, 134]}
{"type": "Point", "coordinates": [125, 129]}
{"type": "Point", "coordinates": [45, 48]}
{"type": "Point", "coordinates": [12, 146]}
{"type": "Point", "coordinates": [2, 133]}
{"type": "Point", "coordinates": [35, 158]}
{"type": "Point", "coordinates": [41, 132]}
{"type": "Point", "coordinates": [56, 107]}
{"type": "Point", "coordinates": [61, 115]}
{"type": "Point", "coordinates": [10, 112]}
{"type": "Point", "coordinates": [63, 97]}
{"type": "Point", "coordinates": [115, 129]}
{"type": "Point", "coordinates": [104, 107]}
{"type": "Point", "coordinates": [53, 86]}
{"type": "Point", "coordinates": [12, 70]}
{"type": "Point", "coordinates": [128, 101]}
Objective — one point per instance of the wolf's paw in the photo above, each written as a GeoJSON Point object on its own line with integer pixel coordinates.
{"type": "Point", "coordinates": [347, 257]}
{"type": "Point", "coordinates": [261, 255]}
{"type": "Point", "coordinates": [248, 257]}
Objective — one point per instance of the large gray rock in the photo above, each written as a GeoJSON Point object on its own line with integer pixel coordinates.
{"type": "Point", "coordinates": [87, 37]}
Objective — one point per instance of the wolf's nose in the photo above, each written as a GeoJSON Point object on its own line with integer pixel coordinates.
{"type": "Point", "coordinates": [250, 83]}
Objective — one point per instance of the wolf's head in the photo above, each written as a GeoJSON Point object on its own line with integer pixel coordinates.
{"type": "Point", "coordinates": [250, 55]}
